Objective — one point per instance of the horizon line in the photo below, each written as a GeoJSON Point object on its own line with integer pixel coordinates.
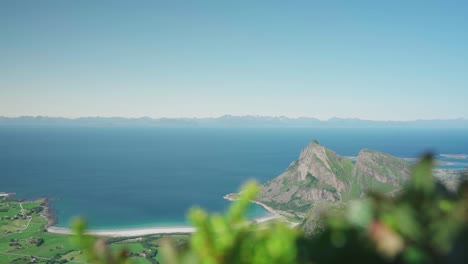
{"type": "Point", "coordinates": [238, 116]}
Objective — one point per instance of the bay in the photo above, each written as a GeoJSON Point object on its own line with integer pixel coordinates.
{"type": "Point", "coordinates": [120, 177]}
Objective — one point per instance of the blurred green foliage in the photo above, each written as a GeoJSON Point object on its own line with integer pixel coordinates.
{"type": "Point", "coordinates": [423, 223]}
{"type": "Point", "coordinates": [97, 250]}
{"type": "Point", "coordinates": [231, 239]}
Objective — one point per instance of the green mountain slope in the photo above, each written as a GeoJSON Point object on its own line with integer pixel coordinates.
{"type": "Point", "coordinates": [320, 176]}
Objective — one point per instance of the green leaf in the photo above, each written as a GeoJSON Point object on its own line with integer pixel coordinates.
{"type": "Point", "coordinates": [422, 179]}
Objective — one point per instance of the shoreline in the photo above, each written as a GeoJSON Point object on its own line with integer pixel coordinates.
{"type": "Point", "coordinates": [7, 195]}
{"type": "Point", "coordinates": [128, 232]}
{"type": "Point", "coordinates": [48, 214]}
{"type": "Point", "coordinates": [159, 230]}
{"type": "Point", "coordinates": [144, 231]}
{"type": "Point", "coordinates": [273, 214]}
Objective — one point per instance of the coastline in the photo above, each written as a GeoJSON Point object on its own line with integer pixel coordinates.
{"type": "Point", "coordinates": [156, 230]}
{"type": "Point", "coordinates": [273, 214]}
{"type": "Point", "coordinates": [48, 214]}
{"type": "Point", "coordinates": [130, 232]}
{"type": "Point", "coordinates": [6, 195]}
{"type": "Point", "coordinates": [144, 231]}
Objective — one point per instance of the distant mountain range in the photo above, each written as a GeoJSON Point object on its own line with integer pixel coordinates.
{"type": "Point", "coordinates": [230, 121]}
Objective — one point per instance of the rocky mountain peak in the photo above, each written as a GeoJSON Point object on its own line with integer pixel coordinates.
{"type": "Point", "coordinates": [320, 174]}
{"type": "Point", "coordinates": [313, 159]}
{"type": "Point", "coordinates": [312, 148]}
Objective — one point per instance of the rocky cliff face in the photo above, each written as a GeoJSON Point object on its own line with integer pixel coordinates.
{"type": "Point", "coordinates": [322, 175]}
{"type": "Point", "coordinates": [377, 170]}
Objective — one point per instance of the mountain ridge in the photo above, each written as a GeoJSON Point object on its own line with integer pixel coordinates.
{"type": "Point", "coordinates": [232, 121]}
{"type": "Point", "coordinates": [320, 174]}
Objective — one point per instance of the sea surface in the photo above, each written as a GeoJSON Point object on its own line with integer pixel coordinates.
{"type": "Point", "coordinates": [135, 177]}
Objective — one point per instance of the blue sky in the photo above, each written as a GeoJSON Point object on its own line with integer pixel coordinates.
{"type": "Point", "coordinates": [380, 60]}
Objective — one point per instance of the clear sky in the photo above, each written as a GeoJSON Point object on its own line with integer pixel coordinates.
{"type": "Point", "coordinates": [381, 60]}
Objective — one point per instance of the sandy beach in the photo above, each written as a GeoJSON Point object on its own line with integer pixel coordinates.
{"type": "Point", "coordinates": [134, 232]}
{"type": "Point", "coordinates": [266, 218]}
{"type": "Point", "coordinates": [231, 197]}
{"type": "Point", "coordinates": [130, 232]}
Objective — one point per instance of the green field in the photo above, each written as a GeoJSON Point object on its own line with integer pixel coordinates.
{"type": "Point", "coordinates": [9, 209]}
{"type": "Point", "coordinates": [23, 238]}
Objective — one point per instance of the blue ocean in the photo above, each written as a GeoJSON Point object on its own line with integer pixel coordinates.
{"type": "Point", "coordinates": [134, 177]}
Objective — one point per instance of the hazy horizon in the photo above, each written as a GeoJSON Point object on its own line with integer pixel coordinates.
{"type": "Point", "coordinates": [241, 116]}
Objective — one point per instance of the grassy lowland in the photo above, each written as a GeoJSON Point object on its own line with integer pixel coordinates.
{"type": "Point", "coordinates": [24, 239]}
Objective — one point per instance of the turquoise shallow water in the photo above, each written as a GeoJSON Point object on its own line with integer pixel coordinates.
{"type": "Point", "coordinates": [135, 177]}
